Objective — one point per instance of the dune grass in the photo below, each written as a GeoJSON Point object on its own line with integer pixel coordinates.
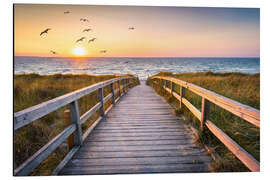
{"type": "Point", "coordinates": [243, 88]}
{"type": "Point", "coordinates": [33, 89]}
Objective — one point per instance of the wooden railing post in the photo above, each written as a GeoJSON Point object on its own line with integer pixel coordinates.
{"type": "Point", "coordinates": [124, 86]}
{"type": "Point", "coordinates": [119, 86]}
{"type": "Point", "coordinates": [205, 111]}
{"type": "Point", "coordinates": [75, 119]}
{"type": "Point", "coordinates": [182, 94]}
{"type": "Point", "coordinates": [172, 87]}
{"type": "Point", "coordinates": [100, 94]}
{"type": "Point", "coordinates": [113, 96]}
{"type": "Point", "coordinates": [70, 139]}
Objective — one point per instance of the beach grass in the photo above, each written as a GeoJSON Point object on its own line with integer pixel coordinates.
{"type": "Point", "coordinates": [244, 88]}
{"type": "Point", "coordinates": [33, 89]}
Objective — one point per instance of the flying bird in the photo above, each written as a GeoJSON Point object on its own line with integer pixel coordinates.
{"type": "Point", "coordinates": [91, 40]}
{"type": "Point", "coordinates": [131, 28]}
{"type": "Point", "coordinates": [84, 20]}
{"type": "Point", "coordinates": [45, 31]}
{"type": "Point", "coordinates": [87, 30]}
{"type": "Point", "coordinates": [66, 12]}
{"type": "Point", "coordinates": [81, 39]}
{"type": "Point", "coordinates": [103, 51]}
{"type": "Point", "coordinates": [53, 52]}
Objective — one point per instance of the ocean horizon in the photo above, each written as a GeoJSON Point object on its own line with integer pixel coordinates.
{"type": "Point", "coordinates": [139, 66]}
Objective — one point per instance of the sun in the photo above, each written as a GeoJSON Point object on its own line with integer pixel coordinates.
{"type": "Point", "coordinates": [78, 51]}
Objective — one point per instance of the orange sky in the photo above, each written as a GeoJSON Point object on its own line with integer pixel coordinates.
{"type": "Point", "coordinates": [159, 31]}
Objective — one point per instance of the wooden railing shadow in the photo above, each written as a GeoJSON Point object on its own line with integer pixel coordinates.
{"type": "Point", "coordinates": [243, 111]}
{"type": "Point", "coordinates": [73, 132]}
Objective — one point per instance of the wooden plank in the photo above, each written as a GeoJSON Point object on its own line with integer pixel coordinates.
{"type": "Point", "coordinates": [248, 113]}
{"type": "Point", "coordinates": [143, 126]}
{"type": "Point", "coordinates": [134, 138]}
{"type": "Point", "coordinates": [124, 169]}
{"type": "Point", "coordinates": [89, 113]}
{"type": "Point", "coordinates": [107, 97]}
{"type": "Point", "coordinates": [28, 115]}
{"type": "Point", "coordinates": [192, 108]}
{"type": "Point", "coordinates": [111, 122]}
{"type": "Point", "coordinates": [180, 147]}
{"type": "Point", "coordinates": [97, 134]}
{"type": "Point", "coordinates": [135, 130]}
{"type": "Point", "coordinates": [138, 161]}
{"type": "Point", "coordinates": [138, 154]}
{"type": "Point", "coordinates": [65, 160]}
{"type": "Point", "coordinates": [32, 162]}
{"type": "Point", "coordinates": [132, 143]}
{"type": "Point", "coordinates": [237, 150]}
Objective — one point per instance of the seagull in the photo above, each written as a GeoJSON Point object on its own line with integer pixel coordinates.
{"type": "Point", "coordinates": [84, 20]}
{"type": "Point", "coordinates": [53, 52]}
{"type": "Point", "coordinates": [103, 51]}
{"type": "Point", "coordinates": [66, 12]}
{"type": "Point", "coordinates": [91, 40]}
{"type": "Point", "coordinates": [45, 31]}
{"type": "Point", "coordinates": [131, 28]}
{"type": "Point", "coordinates": [86, 30]}
{"type": "Point", "coordinates": [81, 39]}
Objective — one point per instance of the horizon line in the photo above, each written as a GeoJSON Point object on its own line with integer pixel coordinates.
{"type": "Point", "coordinates": [140, 56]}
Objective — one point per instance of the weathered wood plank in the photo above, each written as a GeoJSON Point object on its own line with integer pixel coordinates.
{"type": "Point", "coordinates": [89, 113]}
{"type": "Point", "coordinates": [141, 142]}
{"type": "Point", "coordinates": [65, 160]}
{"type": "Point", "coordinates": [134, 138]}
{"type": "Point", "coordinates": [139, 161]}
{"type": "Point", "coordinates": [136, 130]}
{"type": "Point", "coordinates": [192, 108]}
{"type": "Point", "coordinates": [180, 147]}
{"type": "Point", "coordinates": [124, 169]}
{"type": "Point", "coordinates": [137, 154]}
{"type": "Point", "coordinates": [97, 134]}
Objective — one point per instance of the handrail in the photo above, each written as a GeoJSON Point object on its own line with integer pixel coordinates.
{"type": "Point", "coordinates": [243, 111]}
{"type": "Point", "coordinates": [33, 113]}
{"type": "Point", "coordinates": [28, 115]}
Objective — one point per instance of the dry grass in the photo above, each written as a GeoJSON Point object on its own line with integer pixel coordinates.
{"type": "Point", "coordinates": [32, 89]}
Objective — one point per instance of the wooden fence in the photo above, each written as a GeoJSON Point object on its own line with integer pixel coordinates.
{"type": "Point", "coordinates": [243, 111]}
{"type": "Point", "coordinates": [73, 130]}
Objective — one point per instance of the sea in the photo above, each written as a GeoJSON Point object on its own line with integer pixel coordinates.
{"type": "Point", "coordinates": [141, 67]}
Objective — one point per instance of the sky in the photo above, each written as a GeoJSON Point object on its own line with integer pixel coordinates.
{"type": "Point", "coordinates": [159, 31]}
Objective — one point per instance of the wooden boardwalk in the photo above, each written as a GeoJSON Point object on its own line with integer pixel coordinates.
{"type": "Point", "coordinates": [139, 135]}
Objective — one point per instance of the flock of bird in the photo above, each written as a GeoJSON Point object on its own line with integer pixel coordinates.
{"type": "Point", "coordinates": [46, 31]}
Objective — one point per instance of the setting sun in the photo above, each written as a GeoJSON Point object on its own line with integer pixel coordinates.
{"type": "Point", "coordinates": [79, 51]}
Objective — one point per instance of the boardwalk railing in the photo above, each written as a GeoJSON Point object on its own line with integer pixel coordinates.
{"type": "Point", "coordinates": [73, 130]}
{"type": "Point", "coordinates": [243, 111]}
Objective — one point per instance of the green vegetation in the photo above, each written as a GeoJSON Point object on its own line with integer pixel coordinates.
{"type": "Point", "coordinates": [33, 89]}
{"type": "Point", "coordinates": [243, 88]}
